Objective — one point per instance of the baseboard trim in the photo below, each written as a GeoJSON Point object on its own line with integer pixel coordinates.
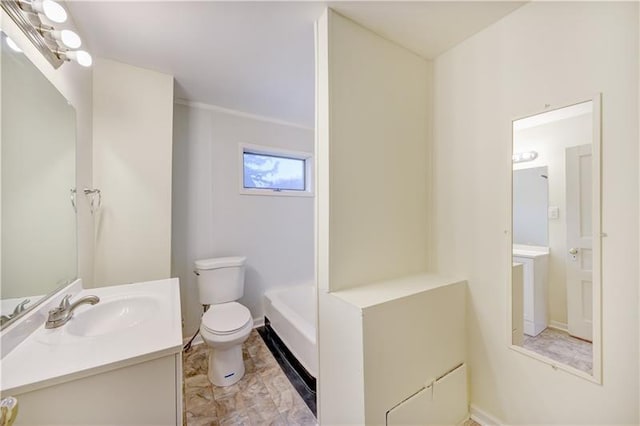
{"type": "Point", "coordinates": [482, 417]}
{"type": "Point", "coordinates": [558, 326]}
{"type": "Point", "coordinates": [257, 322]}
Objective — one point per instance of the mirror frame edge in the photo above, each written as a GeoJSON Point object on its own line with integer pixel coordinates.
{"type": "Point", "coordinates": [596, 376]}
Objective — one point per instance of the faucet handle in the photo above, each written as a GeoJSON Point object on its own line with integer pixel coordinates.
{"type": "Point", "coordinates": [64, 303]}
{"type": "Point", "coordinates": [20, 307]}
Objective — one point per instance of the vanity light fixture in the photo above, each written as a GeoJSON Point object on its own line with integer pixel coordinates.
{"type": "Point", "coordinates": [49, 8]}
{"type": "Point", "coordinates": [523, 157]}
{"type": "Point", "coordinates": [80, 56]}
{"type": "Point", "coordinates": [67, 37]}
{"type": "Point", "coordinates": [56, 45]}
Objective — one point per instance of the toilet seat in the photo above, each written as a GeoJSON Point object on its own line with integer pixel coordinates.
{"type": "Point", "coordinates": [226, 318]}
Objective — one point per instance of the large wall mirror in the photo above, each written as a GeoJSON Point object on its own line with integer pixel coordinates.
{"type": "Point", "coordinates": [556, 235]}
{"type": "Point", "coordinates": [38, 218]}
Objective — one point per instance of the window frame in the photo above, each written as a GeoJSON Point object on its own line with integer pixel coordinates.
{"type": "Point", "coordinates": [307, 157]}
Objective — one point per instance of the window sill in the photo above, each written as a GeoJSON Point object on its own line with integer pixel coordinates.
{"type": "Point", "coordinates": [274, 193]}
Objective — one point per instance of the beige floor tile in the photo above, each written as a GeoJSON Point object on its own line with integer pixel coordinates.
{"type": "Point", "coordinates": [253, 390]}
{"type": "Point", "coordinates": [239, 418]}
{"type": "Point", "coordinates": [202, 421]}
{"type": "Point", "coordinates": [263, 413]}
{"type": "Point", "coordinates": [560, 346]}
{"type": "Point", "coordinates": [197, 381]}
{"type": "Point", "coordinates": [225, 406]}
{"type": "Point", "coordinates": [222, 392]}
{"type": "Point", "coordinates": [199, 402]}
{"type": "Point", "coordinates": [284, 401]}
{"type": "Point", "coordinates": [264, 396]}
{"type": "Point", "coordinates": [299, 416]}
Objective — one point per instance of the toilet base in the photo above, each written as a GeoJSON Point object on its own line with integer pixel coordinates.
{"type": "Point", "coordinates": [226, 366]}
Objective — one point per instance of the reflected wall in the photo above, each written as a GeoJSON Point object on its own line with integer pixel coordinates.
{"type": "Point", "coordinates": [38, 157]}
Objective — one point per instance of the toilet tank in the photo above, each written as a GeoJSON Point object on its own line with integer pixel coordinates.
{"type": "Point", "coordinates": [220, 280]}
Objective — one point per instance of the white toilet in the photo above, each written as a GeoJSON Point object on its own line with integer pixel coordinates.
{"type": "Point", "coordinates": [227, 323]}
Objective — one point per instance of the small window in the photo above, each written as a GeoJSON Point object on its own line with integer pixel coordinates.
{"type": "Point", "coordinates": [275, 172]}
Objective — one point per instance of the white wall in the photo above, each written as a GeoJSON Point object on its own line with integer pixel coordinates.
{"type": "Point", "coordinates": [543, 53]}
{"type": "Point", "coordinates": [132, 149]}
{"type": "Point", "coordinates": [372, 147]}
{"type": "Point", "coordinates": [374, 184]}
{"type": "Point", "coordinates": [212, 219]}
{"type": "Point", "coordinates": [75, 84]}
{"type": "Point", "coordinates": [550, 142]}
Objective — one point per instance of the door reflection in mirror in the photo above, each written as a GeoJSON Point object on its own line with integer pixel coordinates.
{"type": "Point", "coordinates": [553, 222]}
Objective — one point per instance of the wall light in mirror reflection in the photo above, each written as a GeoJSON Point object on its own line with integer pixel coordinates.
{"type": "Point", "coordinates": [12, 45]}
{"type": "Point", "coordinates": [555, 289]}
{"type": "Point", "coordinates": [522, 157]}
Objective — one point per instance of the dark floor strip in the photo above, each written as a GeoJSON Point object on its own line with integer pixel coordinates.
{"type": "Point", "coordinates": [301, 381]}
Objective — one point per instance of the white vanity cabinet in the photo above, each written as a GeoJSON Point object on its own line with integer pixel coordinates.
{"type": "Point", "coordinates": [147, 393]}
{"type": "Point", "coordinates": [118, 362]}
{"type": "Point", "coordinates": [535, 271]}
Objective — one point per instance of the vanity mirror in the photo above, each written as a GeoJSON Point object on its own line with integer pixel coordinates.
{"type": "Point", "coordinates": [38, 219]}
{"type": "Point", "coordinates": [556, 238]}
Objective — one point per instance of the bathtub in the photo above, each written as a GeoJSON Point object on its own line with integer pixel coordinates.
{"type": "Point", "coordinates": [291, 312]}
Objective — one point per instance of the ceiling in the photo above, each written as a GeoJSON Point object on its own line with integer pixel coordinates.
{"type": "Point", "coordinates": [258, 57]}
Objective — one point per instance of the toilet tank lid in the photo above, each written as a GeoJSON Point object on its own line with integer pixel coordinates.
{"type": "Point", "coordinates": [220, 262]}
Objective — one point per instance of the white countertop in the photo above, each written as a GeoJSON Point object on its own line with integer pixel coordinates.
{"type": "Point", "coordinates": [372, 294]}
{"type": "Point", "coordinates": [522, 250]}
{"type": "Point", "coordinates": [49, 357]}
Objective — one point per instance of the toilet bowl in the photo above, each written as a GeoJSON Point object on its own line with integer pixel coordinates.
{"type": "Point", "coordinates": [224, 328]}
{"type": "Point", "coordinates": [226, 324]}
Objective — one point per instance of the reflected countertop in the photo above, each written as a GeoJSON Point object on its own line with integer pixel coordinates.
{"type": "Point", "coordinates": [522, 250]}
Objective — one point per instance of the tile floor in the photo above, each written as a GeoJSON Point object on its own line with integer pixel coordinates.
{"type": "Point", "coordinates": [560, 346]}
{"type": "Point", "coordinates": [264, 396]}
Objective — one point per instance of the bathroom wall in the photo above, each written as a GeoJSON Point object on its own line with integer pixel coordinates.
{"type": "Point", "coordinates": [374, 130]}
{"type": "Point", "coordinates": [550, 141]}
{"type": "Point", "coordinates": [75, 84]}
{"type": "Point", "coordinates": [132, 150]}
{"type": "Point", "coordinates": [212, 219]}
{"type": "Point", "coordinates": [543, 53]}
{"type": "Point", "coordinates": [374, 150]}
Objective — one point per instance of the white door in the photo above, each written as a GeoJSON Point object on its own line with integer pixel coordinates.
{"type": "Point", "coordinates": [579, 254]}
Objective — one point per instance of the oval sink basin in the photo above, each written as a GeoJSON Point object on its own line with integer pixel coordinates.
{"type": "Point", "coordinates": [110, 316]}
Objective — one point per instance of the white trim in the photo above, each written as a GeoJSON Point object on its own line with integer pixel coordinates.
{"type": "Point", "coordinates": [482, 417]}
{"type": "Point", "coordinates": [307, 157]}
{"type": "Point", "coordinates": [229, 111]}
{"type": "Point", "coordinates": [558, 325]}
{"type": "Point", "coordinates": [258, 322]}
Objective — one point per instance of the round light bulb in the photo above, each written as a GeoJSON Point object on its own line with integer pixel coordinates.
{"type": "Point", "coordinates": [12, 44]}
{"type": "Point", "coordinates": [52, 10]}
{"type": "Point", "coordinates": [70, 39]}
{"type": "Point", "coordinates": [81, 57]}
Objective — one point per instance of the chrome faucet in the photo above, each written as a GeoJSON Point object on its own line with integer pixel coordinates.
{"type": "Point", "coordinates": [63, 313]}
{"type": "Point", "coordinates": [20, 307]}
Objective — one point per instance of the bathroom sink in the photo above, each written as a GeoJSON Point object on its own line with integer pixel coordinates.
{"type": "Point", "coordinates": [109, 316]}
